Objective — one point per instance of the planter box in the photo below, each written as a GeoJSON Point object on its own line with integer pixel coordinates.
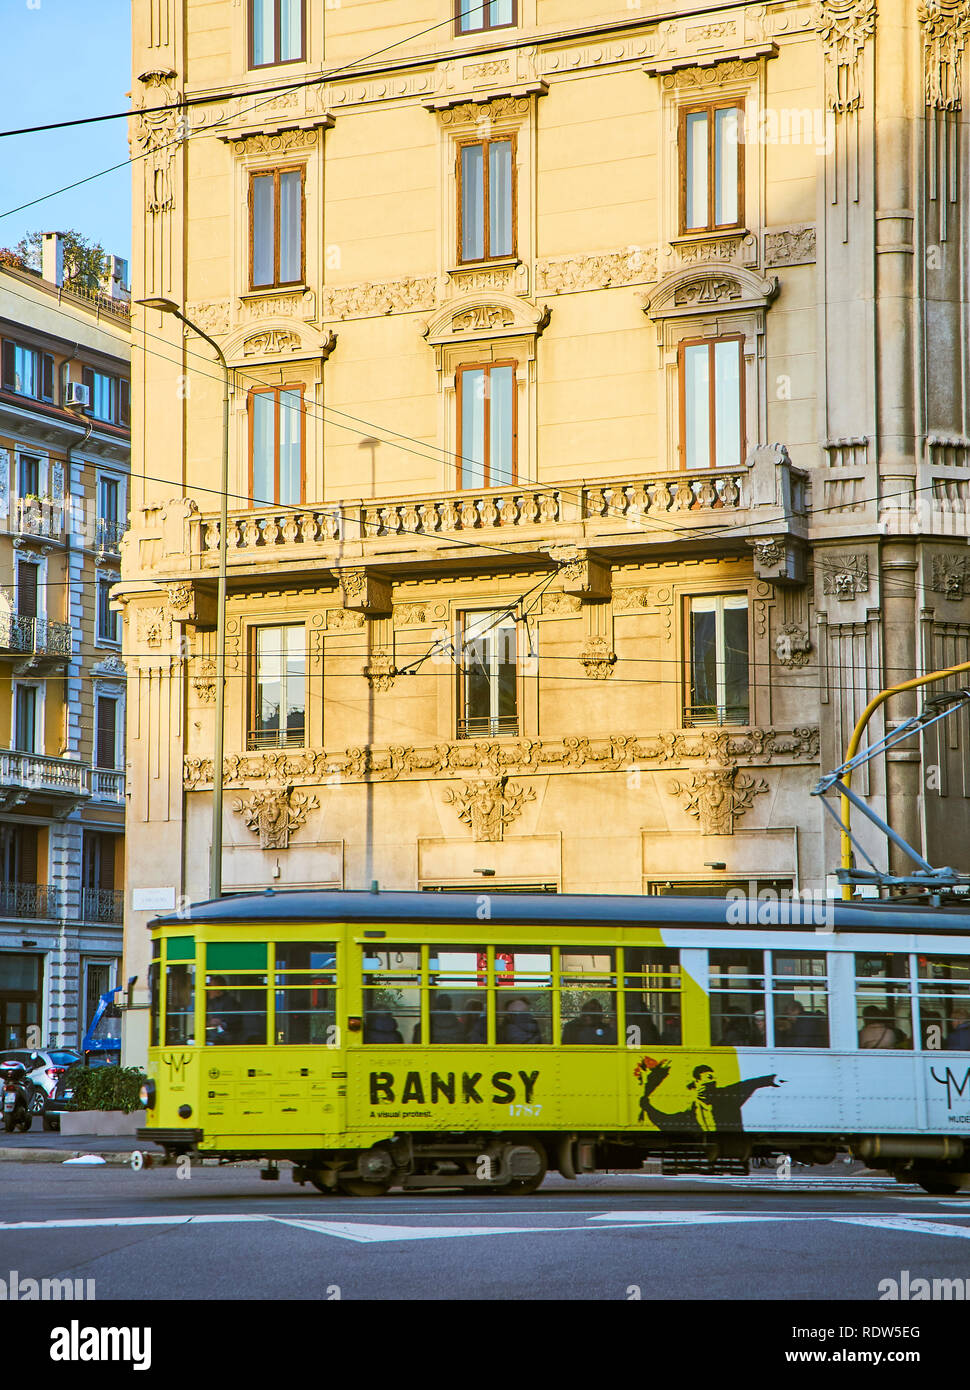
{"type": "Point", "coordinates": [103, 1122]}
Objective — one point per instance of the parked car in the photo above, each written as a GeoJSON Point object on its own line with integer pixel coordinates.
{"type": "Point", "coordinates": [44, 1070]}
{"type": "Point", "coordinates": [63, 1097]}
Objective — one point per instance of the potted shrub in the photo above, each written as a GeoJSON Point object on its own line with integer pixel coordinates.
{"type": "Point", "coordinates": [105, 1100]}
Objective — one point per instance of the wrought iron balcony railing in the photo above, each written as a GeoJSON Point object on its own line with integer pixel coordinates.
{"type": "Point", "coordinates": [34, 635]}
{"type": "Point", "coordinates": [258, 739]}
{"type": "Point", "coordinates": [30, 900]}
{"type": "Point", "coordinates": [108, 536]}
{"type": "Point", "coordinates": [488, 726]}
{"type": "Point", "coordinates": [102, 905]}
{"type": "Point", "coordinates": [39, 516]}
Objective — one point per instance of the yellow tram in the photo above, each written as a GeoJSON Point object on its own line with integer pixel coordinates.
{"type": "Point", "coordinates": [436, 1040]}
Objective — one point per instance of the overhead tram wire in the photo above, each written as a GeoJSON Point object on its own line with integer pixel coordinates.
{"type": "Point", "coordinates": [445, 457]}
{"type": "Point", "coordinates": [345, 69]}
{"type": "Point", "coordinates": [211, 100]}
{"type": "Point", "coordinates": [450, 460]}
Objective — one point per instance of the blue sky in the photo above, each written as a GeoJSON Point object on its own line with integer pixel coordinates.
{"type": "Point", "coordinates": [61, 59]}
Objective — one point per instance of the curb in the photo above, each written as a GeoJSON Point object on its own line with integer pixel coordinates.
{"type": "Point", "coordinates": [59, 1155]}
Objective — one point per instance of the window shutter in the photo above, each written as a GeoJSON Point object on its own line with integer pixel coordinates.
{"type": "Point", "coordinates": [9, 370]}
{"type": "Point", "coordinates": [26, 854]}
{"type": "Point", "coordinates": [106, 876]}
{"type": "Point", "coordinates": [47, 377]}
{"type": "Point", "coordinates": [27, 590]}
{"type": "Point", "coordinates": [125, 403]}
{"type": "Point", "coordinates": [105, 732]}
{"type": "Point", "coordinates": [87, 379]}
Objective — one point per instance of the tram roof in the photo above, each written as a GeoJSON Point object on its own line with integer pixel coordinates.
{"type": "Point", "coordinates": [559, 909]}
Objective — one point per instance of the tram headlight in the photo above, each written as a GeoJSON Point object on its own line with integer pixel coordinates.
{"type": "Point", "coordinates": [185, 1112]}
{"type": "Point", "coordinates": [147, 1095]}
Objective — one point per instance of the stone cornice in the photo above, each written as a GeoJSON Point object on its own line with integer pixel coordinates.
{"type": "Point", "coordinates": [616, 753]}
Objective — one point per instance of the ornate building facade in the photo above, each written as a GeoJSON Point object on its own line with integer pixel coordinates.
{"type": "Point", "coordinates": [64, 458]}
{"type": "Point", "coordinates": [598, 438]}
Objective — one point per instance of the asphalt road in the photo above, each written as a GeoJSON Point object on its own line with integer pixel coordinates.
{"type": "Point", "coordinates": [223, 1234]}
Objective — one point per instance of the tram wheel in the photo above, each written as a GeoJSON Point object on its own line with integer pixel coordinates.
{"type": "Point", "coordinates": [941, 1184]}
{"type": "Point", "coordinates": [359, 1187]}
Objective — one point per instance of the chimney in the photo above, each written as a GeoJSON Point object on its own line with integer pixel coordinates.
{"type": "Point", "coordinates": [52, 258]}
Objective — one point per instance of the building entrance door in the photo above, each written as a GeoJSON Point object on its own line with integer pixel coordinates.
{"type": "Point", "coordinates": [20, 1000]}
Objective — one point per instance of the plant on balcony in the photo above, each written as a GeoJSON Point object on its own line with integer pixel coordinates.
{"type": "Point", "coordinates": [106, 1088]}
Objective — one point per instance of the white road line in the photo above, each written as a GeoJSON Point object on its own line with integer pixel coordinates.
{"type": "Point", "coordinates": [366, 1234]}
{"type": "Point", "coordinates": [907, 1226]}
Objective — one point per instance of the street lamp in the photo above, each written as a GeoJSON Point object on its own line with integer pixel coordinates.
{"type": "Point", "coordinates": [168, 306]}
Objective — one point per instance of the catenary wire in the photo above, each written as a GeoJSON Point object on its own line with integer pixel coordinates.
{"type": "Point", "coordinates": [235, 116]}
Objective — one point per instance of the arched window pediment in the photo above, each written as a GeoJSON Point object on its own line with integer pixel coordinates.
{"type": "Point", "coordinates": [694, 290]}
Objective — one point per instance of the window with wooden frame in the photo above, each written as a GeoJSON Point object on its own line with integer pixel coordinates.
{"type": "Point", "coordinates": [716, 662]}
{"type": "Point", "coordinates": [472, 16]}
{"type": "Point", "coordinates": [106, 734]}
{"type": "Point", "coordinates": [487, 425]}
{"type": "Point", "coordinates": [109, 396]}
{"type": "Point", "coordinates": [712, 425]}
{"type": "Point", "coordinates": [276, 228]}
{"type": "Point", "coordinates": [277, 32]}
{"type": "Point", "coordinates": [277, 692]}
{"type": "Point", "coordinates": [276, 446]}
{"type": "Point", "coordinates": [486, 199]}
{"type": "Point", "coordinates": [108, 619]}
{"type": "Point", "coordinates": [711, 167]}
{"type": "Point", "coordinates": [488, 674]}
{"type": "Point", "coordinates": [27, 371]}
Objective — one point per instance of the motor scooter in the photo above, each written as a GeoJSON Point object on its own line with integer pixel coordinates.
{"type": "Point", "coordinates": [16, 1093]}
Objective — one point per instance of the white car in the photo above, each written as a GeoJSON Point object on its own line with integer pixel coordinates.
{"type": "Point", "coordinates": [44, 1070]}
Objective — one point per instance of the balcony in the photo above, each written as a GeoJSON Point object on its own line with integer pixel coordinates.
{"type": "Point", "coordinates": [35, 772]}
{"type": "Point", "coordinates": [107, 786]}
{"type": "Point", "coordinates": [107, 541]}
{"type": "Point", "coordinates": [765, 499]}
{"type": "Point", "coordinates": [35, 637]}
{"type": "Point", "coordinates": [33, 900]}
{"type": "Point", "coordinates": [102, 905]}
{"type": "Point", "coordinates": [42, 517]}
{"type": "Point", "coordinates": [488, 726]}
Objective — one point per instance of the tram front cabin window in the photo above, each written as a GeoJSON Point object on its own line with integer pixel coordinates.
{"type": "Point", "coordinates": [717, 675]}
{"type": "Point", "coordinates": [488, 696]}
{"type": "Point", "coordinates": [277, 711]}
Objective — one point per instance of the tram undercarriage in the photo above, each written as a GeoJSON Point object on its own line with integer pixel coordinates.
{"type": "Point", "coordinates": [516, 1164]}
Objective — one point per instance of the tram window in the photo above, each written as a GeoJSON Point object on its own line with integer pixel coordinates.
{"type": "Point", "coordinates": [944, 1002]}
{"type": "Point", "coordinates": [457, 1012]}
{"type": "Point", "coordinates": [180, 1004]}
{"type": "Point", "coordinates": [587, 997]}
{"type": "Point", "coordinates": [305, 991]}
{"type": "Point", "coordinates": [800, 1000]}
{"type": "Point", "coordinates": [738, 1014]}
{"type": "Point", "coordinates": [155, 1000]}
{"type": "Point", "coordinates": [392, 995]}
{"type": "Point", "coordinates": [523, 1006]}
{"type": "Point", "coordinates": [884, 1013]}
{"type": "Point", "coordinates": [235, 1008]}
{"type": "Point", "coordinates": [652, 995]}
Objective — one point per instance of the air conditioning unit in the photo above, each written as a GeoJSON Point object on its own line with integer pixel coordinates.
{"type": "Point", "coordinates": [77, 395]}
